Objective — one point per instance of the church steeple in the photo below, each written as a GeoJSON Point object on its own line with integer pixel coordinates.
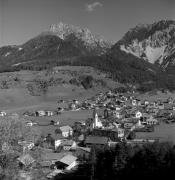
{"type": "Point", "coordinates": [96, 122]}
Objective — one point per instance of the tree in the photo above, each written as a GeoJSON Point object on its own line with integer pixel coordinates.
{"type": "Point", "coordinates": [93, 162]}
{"type": "Point", "coordinates": [4, 84]}
{"type": "Point", "coordinates": [132, 135]}
{"type": "Point", "coordinates": [13, 131]}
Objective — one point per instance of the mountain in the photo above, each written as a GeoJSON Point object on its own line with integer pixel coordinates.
{"type": "Point", "coordinates": [144, 56]}
{"type": "Point", "coordinates": [91, 43]}
{"type": "Point", "coordinates": [40, 47]}
{"type": "Point", "coordinates": [155, 43]}
{"type": "Point", "coordinates": [62, 42]}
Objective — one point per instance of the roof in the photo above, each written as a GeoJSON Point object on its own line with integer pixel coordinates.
{"type": "Point", "coordinates": [65, 128]}
{"type": "Point", "coordinates": [85, 149]}
{"type": "Point", "coordinates": [26, 159]}
{"type": "Point", "coordinates": [96, 140]}
{"type": "Point", "coordinates": [68, 159]}
{"type": "Point", "coordinates": [53, 156]}
{"type": "Point", "coordinates": [67, 142]}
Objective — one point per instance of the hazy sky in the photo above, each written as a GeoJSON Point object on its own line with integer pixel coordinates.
{"type": "Point", "coordinates": [21, 20]}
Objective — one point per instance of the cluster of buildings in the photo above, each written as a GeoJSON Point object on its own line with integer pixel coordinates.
{"type": "Point", "coordinates": [115, 116]}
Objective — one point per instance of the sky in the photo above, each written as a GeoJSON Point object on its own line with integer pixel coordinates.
{"type": "Point", "coordinates": [21, 20]}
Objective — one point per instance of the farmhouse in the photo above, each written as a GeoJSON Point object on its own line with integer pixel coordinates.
{"type": "Point", "coordinates": [51, 158]}
{"type": "Point", "coordinates": [66, 131]}
{"type": "Point", "coordinates": [67, 162]}
{"type": "Point", "coordinates": [68, 144]}
{"type": "Point", "coordinates": [26, 160]}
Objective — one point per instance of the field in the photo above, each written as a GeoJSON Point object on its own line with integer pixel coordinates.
{"type": "Point", "coordinates": [163, 132]}
{"type": "Point", "coordinates": [16, 97]}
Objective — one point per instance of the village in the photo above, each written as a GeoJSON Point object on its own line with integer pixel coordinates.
{"type": "Point", "coordinates": [115, 117]}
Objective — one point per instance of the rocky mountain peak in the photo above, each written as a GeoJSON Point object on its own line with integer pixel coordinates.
{"type": "Point", "coordinates": [82, 36]}
{"type": "Point", "coordinates": [151, 42]}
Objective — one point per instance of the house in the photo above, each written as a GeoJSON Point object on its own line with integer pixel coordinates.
{"type": "Point", "coordinates": [117, 114]}
{"type": "Point", "coordinates": [128, 125]}
{"type": "Point", "coordinates": [49, 113]}
{"type": "Point", "coordinates": [161, 106]}
{"type": "Point", "coordinates": [68, 144]}
{"type": "Point", "coordinates": [67, 162]}
{"type": "Point", "coordinates": [30, 123]}
{"type": "Point", "coordinates": [120, 132]}
{"type": "Point", "coordinates": [3, 113]}
{"type": "Point", "coordinates": [66, 131]}
{"type": "Point", "coordinates": [151, 121]}
{"type": "Point", "coordinates": [58, 140]}
{"type": "Point", "coordinates": [72, 106]}
{"type": "Point", "coordinates": [75, 101]}
{"type": "Point", "coordinates": [26, 145]}
{"type": "Point", "coordinates": [26, 160]}
{"type": "Point", "coordinates": [50, 158]}
{"type": "Point", "coordinates": [96, 140]}
{"type": "Point", "coordinates": [146, 102]}
{"type": "Point", "coordinates": [134, 102]}
{"type": "Point", "coordinates": [138, 114]}
{"type": "Point", "coordinates": [40, 113]}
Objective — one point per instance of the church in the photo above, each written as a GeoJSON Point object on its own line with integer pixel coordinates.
{"type": "Point", "coordinates": [96, 122]}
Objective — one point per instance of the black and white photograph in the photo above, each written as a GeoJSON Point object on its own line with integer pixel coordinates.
{"type": "Point", "coordinates": [87, 89]}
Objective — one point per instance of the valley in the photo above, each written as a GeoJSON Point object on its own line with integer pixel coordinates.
{"type": "Point", "coordinates": [67, 93]}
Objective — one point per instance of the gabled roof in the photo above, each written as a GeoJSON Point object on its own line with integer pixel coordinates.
{"type": "Point", "coordinates": [65, 128]}
{"type": "Point", "coordinates": [96, 140]}
{"type": "Point", "coordinates": [85, 149]}
{"type": "Point", "coordinates": [26, 159]}
{"type": "Point", "coordinates": [68, 159]}
{"type": "Point", "coordinates": [53, 156]}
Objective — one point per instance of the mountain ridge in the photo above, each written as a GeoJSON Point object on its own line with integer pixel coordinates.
{"type": "Point", "coordinates": [151, 42]}
{"type": "Point", "coordinates": [126, 61]}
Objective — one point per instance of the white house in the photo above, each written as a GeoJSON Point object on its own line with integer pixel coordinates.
{"type": "Point", "coordinates": [70, 161]}
{"type": "Point", "coordinates": [121, 132]}
{"type": "Point", "coordinates": [66, 131]}
{"type": "Point", "coordinates": [151, 121]}
{"type": "Point", "coordinates": [73, 106]}
{"type": "Point", "coordinates": [41, 113]}
{"type": "Point", "coordinates": [138, 114]}
{"type": "Point", "coordinates": [49, 113]}
{"type": "Point", "coordinates": [146, 102]}
{"type": "Point", "coordinates": [118, 114]}
{"type": "Point", "coordinates": [3, 113]}
{"type": "Point", "coordinates": [134, 102]}
{"type": "Point", "coordinates": [57, 143]}
{"type": "Point", "coordinates": [30, 123]}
